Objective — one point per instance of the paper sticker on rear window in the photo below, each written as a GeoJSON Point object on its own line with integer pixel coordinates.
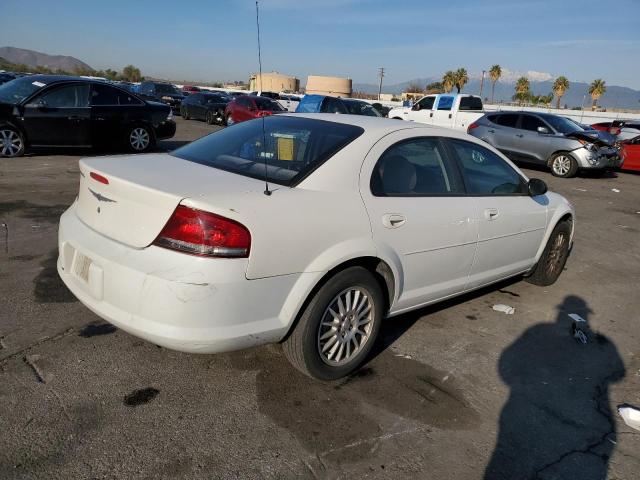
{"type": "Point", "coordinates": [38, 84]}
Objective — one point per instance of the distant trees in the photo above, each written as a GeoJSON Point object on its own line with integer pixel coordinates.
{"type": "Point", "coordinates": [131, 74]}
{"type": "Point", "coordinates": [560, 86]}
{"type": "Point", "coordinates": [495, 73]}
{"type": "Point", "coordinates": [461, 78]}
{"type": "Point", "coordinates": [522, 89]}
{"type": "Point", "coordinates": [448, 81]}
{"type": "Point", "coordinates": [596, 90]}
{"type": "Point", "coordinates": [414, 87]}
{"type": "Point", "coordinates": [434, 87]}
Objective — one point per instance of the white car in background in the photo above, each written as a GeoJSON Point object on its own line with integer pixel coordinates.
{"type": "Point", "coordinates": [360, 218]}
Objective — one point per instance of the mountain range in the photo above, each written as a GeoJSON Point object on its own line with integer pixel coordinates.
{"type": "Point", "coordinates": [577, 95]}
{"type": "Point", "coordinates": [31, 58]}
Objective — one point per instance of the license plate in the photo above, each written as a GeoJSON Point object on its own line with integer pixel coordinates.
{"type": "Point", "coordinates": [81, 266]}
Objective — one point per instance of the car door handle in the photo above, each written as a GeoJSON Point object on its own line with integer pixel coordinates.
{"type": "Point", "coordinates": [491, 130]}
{"type": "Point", "coordinates": [431, 114]}
{"type": "Point", "coordinates": [100, 118]}
{"type": "Point", "coordinates": [519, 135]}
{"type": "Point", "coordinates": [393, 220]}
{"type": "Point", "coordinates": [491, 213]}
{"type": "Point", "coordinates": [74, 117]}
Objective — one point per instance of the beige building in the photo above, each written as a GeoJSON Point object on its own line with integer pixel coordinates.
{"type": "Point", "coordinates": [273, 82]}
{"type": "Point", "coordinates": [334, 86]}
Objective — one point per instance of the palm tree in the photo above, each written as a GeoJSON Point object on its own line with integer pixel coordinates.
{"type": "Point", "coordinates": [560, 86]}
{"type": "Point", "coordinates": [596, 90]}
{"type": "Point", "coordinates": [461, 78]}
{"type": "Point", "coordinates": [495, 73]}
{"type": "Point", "coordinates": [522, 89]}
{"type": "Point", "coordinates": [448, 81]}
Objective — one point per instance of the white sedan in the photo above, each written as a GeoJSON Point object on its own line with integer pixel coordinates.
{"type": "Point", "coordinates": [305, 230]}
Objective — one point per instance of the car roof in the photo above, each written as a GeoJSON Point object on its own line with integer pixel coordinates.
{"type": "Point", "coordinates": [47, 79]}
{"type": "Point", "coordinates": [378, 125]}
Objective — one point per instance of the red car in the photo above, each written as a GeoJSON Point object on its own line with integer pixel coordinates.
{"type": "Point", "coordinates": [190, 89]}
{"type": "Point", "coordinates": [248, 107]}
{"type": "Point", "coordinates": [630, 153]}
{"type": "Point", "coordinates": [611, 127]}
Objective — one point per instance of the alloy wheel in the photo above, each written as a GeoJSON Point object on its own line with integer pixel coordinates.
{"type": "Point", "coordinates": [557, 253]}
{"type": "Point", "coordinates": [10, 143]}
{"type": "Point", "coordinates": [139, 139]}
{"type": "Point", "coordinates": [561, 165]}
{"type": "Point", "coordinates": [345, 327]}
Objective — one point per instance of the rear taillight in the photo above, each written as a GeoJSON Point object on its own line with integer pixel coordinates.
{"type": "Point", "coordinates": [472, 126]}
{"type": "Point", "coordinates": [264, 113]}
{"type": "Point", "coordinates": [203, 233]}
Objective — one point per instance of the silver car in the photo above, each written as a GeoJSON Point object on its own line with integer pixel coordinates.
{"type": "Point", "coordinates": [546, 139]}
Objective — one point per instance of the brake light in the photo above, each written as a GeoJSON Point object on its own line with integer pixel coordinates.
{"type": "Point", "coordinates": [99, 178]}
{"type": "Point", "coordinates": [202, 233]}
{"type": "Point", "coordinates": [263, 113]}
{"type": "Point", "coordinates": [472, 126]}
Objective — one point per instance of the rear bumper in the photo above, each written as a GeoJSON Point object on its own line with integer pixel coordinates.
{"type": "Point", "coordinates": [178, 301]}
{"type": "Point", "coordinates": [166, 129]}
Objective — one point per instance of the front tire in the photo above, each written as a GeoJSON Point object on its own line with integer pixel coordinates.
{"type": "Point", "coordinates": [563, 165]}
{"type": "Point", "coordinates": [339, 326]}
{"type": "Point", "coordinates": [184, 113]}
{"type": "Point", "coordinates": [228, 121]}
{"type": "Point", "coordinates": [11, 142]}
{"type": "Point", "coordinates": [209, 118]}
{"type": "Point", "coordinates": [140, 139]}
{"type": "Point", "coordinates": [553, 258]}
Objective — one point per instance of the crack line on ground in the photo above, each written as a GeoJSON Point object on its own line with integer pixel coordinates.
{"type": "Point", "coordinates": [57, 336]}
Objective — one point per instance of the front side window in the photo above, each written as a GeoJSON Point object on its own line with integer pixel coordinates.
{"type": "Point", "coordinates": [426, 103]}
{"type": "Point", "coordinates": [282, 149]}
{"type": "Point", "coordinates": [531, 123]}
{"type": "Point", "coordinates": [416, 167]}
{"type": "Point", "coordinates": [485, 173]}
{"type": "Point", "coordinates": [69, 96]}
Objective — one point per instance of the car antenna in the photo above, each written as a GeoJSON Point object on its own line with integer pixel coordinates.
{"type": "Point", "coordinates": [267, 192]}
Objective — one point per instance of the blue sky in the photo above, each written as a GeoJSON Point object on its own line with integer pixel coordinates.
{"type": "Point", "coordinates": [211, 40]}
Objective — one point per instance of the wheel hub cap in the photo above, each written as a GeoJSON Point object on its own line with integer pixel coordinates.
{"type": "Point", "coordinates": [345, 326]}
{"type": "Point", "coordinates": [139, 138]}
{"type": "Point", "coordinates": [10, 142]}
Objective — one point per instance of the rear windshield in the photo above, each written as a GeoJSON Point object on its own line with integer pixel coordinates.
{"type": "Point", "coordinates": [286, 150]}
{"type": "Point", "coordinates": [163, 88]}
{"type": "Point", "coordinates": [470, 103]}
{"type": "Point", "coordinates": [264, 103]}
{"type": "Point", "coordinates": [361, 108]}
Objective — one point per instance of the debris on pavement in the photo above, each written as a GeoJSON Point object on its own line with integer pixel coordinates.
{"type": "Point", "coordinates": [615, 190]}
{"type": "Point", "coordinates": [581, 189]}
{"type": "Point", "coordinates": [403, 355]}
{"type": "Point", "coordinates": [630, 415]}
{"type": "Point", "coordinates": [579, 334]}
{"type": "Point", "coordinates": [504, 308]}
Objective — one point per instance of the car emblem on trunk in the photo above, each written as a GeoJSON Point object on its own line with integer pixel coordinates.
{"type": "Point", "coordinates": [101, 198]}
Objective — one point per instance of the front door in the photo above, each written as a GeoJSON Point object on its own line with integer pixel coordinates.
{"type": "Point", "coordinates": [60, 116]}
{"type": "Point", "coordinates": [422, 111]}
{"type": "Point", "coordinates": [511, 224]}
{"type": "Point", "coordinates": [531, 145]}
{"type": "Point", "coordinates": [421, 219]}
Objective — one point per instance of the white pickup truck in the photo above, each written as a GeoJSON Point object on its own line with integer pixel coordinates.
{"type": "Point", "coordinates": [448, 110]}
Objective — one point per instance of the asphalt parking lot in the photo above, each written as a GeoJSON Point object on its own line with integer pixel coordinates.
{"type": "Point", "coordinates": [455, 391]}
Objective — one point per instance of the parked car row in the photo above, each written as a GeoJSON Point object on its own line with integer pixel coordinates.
{"type": "Point", "coordinates": [62, 111]}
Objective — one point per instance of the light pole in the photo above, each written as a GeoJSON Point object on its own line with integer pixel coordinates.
{"type": "Point", "coordinates": [582, 107]}
{"type": "Point", "coordinates": [381, 73]}
{"type": "Point", "coordinates": [482, 82]}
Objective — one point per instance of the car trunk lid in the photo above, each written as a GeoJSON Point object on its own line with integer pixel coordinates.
{"type": "Point", "coordinates": [130, 198]}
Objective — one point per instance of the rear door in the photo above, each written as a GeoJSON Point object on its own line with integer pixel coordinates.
{"type": "Point", "coordinates": [420, 216]}
{"type": "Point", "coordinates": [112, 111]}
{"type": "Point", "coordinates": [529, 144]}
{"type": "Point", "coordinates": [60, 116]}
{"type": "Point", "coordinates": [504, 132]}
{"type": "Point", "coordinates": [511, 224]}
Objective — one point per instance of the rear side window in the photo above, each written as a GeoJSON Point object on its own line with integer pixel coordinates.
{"type": "Point", "coordinates": [104, 95]}
{"type": "Point", "coordinates": [416, 167]}
{"type": "Point", "coordinates": [507, 120]}
{"type": "Point", "coordinates": [470, 103]}
{"type": "Point", "coordinates": [485, 173]}
{"type": "Point", "coordinates": [445, 102]}
{"type": "Point", "coordinates": [287, 150]}
{"type": "Point", "coordinates": [333, 105]}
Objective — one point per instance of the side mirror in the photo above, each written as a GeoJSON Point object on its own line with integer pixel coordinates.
{"type": "Point", "coordinates": [543, 130]}
{"type": "Point", "coordinates": [536, 187]}
{"type": "Point", "coordinates": [416, 107]}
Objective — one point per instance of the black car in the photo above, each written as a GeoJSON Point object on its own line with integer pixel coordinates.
{"type": "Point", "coordinates": [6, 77]}
{"type": "Point", "coordinates": [62, 111]}
{"type": "Point", "coordinates": [162, 92]}
{"type": "Point", "coordinates": [205, 106]}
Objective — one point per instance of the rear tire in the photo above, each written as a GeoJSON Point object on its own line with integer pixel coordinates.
{"type": "Point", "coordinates": [228, 120]}
{"type": "Point", "coordinates": [140, 139]}
{"type": "Point", "coordinates": [11, 142]}
{"type": "Point", "coordinates": [209, 118]}
{"type": "Point", "coordinates": [553, 258]}
{"type": "Point", "coordinates": [338, 327]}
{"type": "Point", "coordinates": [184, 113]}
{"type": "Point", "coordinates": [563, 165]}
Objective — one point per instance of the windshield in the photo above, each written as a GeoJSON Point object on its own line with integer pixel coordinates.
{"type": "Point", "coordinates": [264, 103]}
{"type": "Point", "coordinates": [163, 88]}
{"type": "Point", "coordinates": [361, 108]}
{"type": "Point", "coordinates": [17, 90]}
{"type": "Point", "coordinates": [286, 151]}
{"type": "Point", "coordinates": [561, 124]}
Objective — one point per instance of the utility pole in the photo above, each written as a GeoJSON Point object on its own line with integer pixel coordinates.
{"type": "Point", "coordinates": [482, 82]}
{"type": "Point", "coordinates": [381, 74]}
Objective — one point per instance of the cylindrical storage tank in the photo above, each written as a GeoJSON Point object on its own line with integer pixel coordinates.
{"type": "Point", "coordinates": [273, 82]}
{"type": "Point", "coordinates": [333, 86]}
